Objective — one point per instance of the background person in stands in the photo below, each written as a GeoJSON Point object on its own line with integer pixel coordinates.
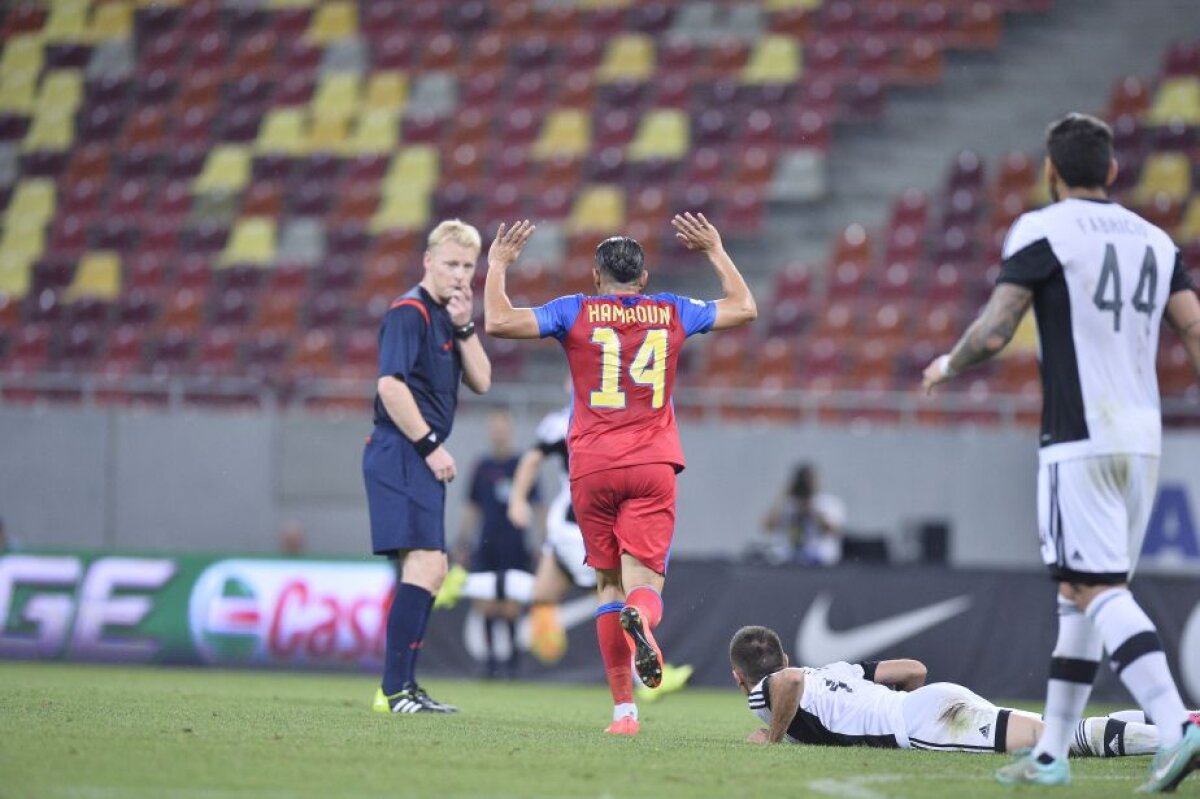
{"type": "Point", "coordinates": [807, 524]}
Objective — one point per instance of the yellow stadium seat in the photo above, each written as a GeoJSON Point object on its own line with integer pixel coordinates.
{"type": "Point", "coordinates": [603, 3]}
{"type": "Point", "coordinates": [1176, 98]}
{"type": "Point", "coordinates": [599, 208]}
{"type": "Point", "coordinates": [775, 59]}
{"type": "Point", "coordinates": [251, 242]}
{"type": "Point", "coordinates": [327, 135]}
{"type": "Point", "coordinates": [404, 210]}
{"type": "Point", "coordinates": [33, 199]}
{"type": "Point", "coordinates": [15, 273]}
{"type": "Point", "coordinates": [51, 131]}
{"type": "Point", "coordinates": [337, 96]}
{"type": "Point", "coordinates": [111, 20]}
{"type": "Point", "coordinates": [22, 58]}
{"type": "Point", "coordinates": [415, 166]}
{"type": "Point", "coordinates": [17, 92]}
{"type": "Point", "coordinates": [282, 131]}
{"type": "Point", "coordinates": [566, 131]}
{"type": "Point", "coordinates": [67, 21]}
{"type": "Point", "coordinates": [792, 5]}
{"type": "Point", "coordinates": [62, 88]}
{"type": "Point", "coordinates": [1164, 173]}
{"type": "Point", "coordinates": [227, 169]}
{"type": "Point", "coordinates": [628, 57]}
{"type": "Point", "coordinates": [1189, 229]}
{"type": "Point", "coordinates": [662, 133]}
{"type": "Point", "coordinates": [376, 132]}
{"type": "Point", "coordinates": [386, 91]}
{"type": "Point", "coordinates": [24, 237]}
{"type": "Point", "coordinates": [333, 21]}
{"type": "Point", "coordinates": [98, 275]}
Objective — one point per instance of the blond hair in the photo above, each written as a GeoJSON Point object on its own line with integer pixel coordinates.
{"type": "Point", "coordinates": [457, 231]}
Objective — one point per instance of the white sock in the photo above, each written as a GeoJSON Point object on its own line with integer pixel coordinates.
{"type": "Point", "coordinates": [1135, 716]}
{"type": "Point", "coordinates": [509, 584]}
{"type": "Point", "coordinates": [624, 709]}
{"type": "Point", "coordinates": [1072, 670]}
{"type": "Point", "coordinates": [1136, 655]}
{"type": "Point", "coordinates": [518, 586]}
{"type": "Point", "coordinates": [1105, 736]}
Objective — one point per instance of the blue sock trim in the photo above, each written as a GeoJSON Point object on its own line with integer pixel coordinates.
{"type": "Point", "coordinates": [611, 607]}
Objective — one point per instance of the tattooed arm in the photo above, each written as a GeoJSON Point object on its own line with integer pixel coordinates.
{"type": "Point", "coordinates": [986, 336]}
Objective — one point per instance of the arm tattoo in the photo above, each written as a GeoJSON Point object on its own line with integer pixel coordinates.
{"type": "Point", "coordinates": [994, 328]}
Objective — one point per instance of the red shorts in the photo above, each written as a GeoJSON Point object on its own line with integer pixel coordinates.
{"type": "Point", "coordinates": [631, 509]}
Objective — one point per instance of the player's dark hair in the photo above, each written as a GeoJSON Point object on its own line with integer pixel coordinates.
{"type": "Point", "coordinates": [1080, 147]}
{"type": "Point", "coordinates": [621, 259]}
{"type": "Point", "coordinates": [756, 652]}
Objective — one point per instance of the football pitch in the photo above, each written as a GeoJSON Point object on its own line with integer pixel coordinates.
{"type": "Point", "coordinates": [94, 732]}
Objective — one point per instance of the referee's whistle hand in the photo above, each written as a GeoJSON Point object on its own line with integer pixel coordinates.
{"type": "Point", "coordinates": [441, 463]}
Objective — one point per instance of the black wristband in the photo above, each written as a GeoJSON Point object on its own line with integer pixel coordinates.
{"type": "Point", "coordinates": [465, 332]}
{"type": "Point", "coordinates": [427, 443]}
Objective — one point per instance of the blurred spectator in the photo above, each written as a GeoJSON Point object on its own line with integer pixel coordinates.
{"type": "Point", "coordinates": [292, 540]}
{"type": "Point", "coordinates": [498, 545]}
{"type": "Point", "coordinates": [806, 525]}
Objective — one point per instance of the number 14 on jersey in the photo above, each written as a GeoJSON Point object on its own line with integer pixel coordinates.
{"type": "Point", "coordinates": [648, 368]}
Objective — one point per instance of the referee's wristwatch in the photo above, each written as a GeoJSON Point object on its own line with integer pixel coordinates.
{"type": "Point", "coordinates": [465, 331]}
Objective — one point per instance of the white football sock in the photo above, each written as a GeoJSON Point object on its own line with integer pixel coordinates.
{"type": "Point", "coordinates": [1072, 670]}
{"type": "Point", "coordinates": [1105, 736]}
{"type": "Point", "coordinates": [625, 709]}
{"type": "Point", "coordinates": [1137, 657]}
{"type": "Point", "coordinates": [509, 584]}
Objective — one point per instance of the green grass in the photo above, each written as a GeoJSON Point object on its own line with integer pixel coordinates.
{"type": "Point", "coordinates": [95, 732]}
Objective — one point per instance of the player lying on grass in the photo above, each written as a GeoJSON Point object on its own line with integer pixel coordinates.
{"type": "Point", "coordinates": [887, 705]}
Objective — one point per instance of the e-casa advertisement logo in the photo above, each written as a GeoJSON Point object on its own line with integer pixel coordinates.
{"type": "Point", "coordinates": [279, 612]}
{"type": "Point", "coordinates": [63, 606]}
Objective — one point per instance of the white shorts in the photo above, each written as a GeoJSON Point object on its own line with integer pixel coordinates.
{"type": "Point", "coordinates": [946, 717]}
{"type": "Point", "coordinates": [564, 541]}
{"type": "Point", "coordinates": [1092, 516]}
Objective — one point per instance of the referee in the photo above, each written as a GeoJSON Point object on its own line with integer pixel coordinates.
{"type": "Point", "coordinates": [427, 344]}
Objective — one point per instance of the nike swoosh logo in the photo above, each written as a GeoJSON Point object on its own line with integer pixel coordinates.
{"type": "Point", "coordinates": [1112, 745]}
{"type": "Point", "coordinates": [817, 644]}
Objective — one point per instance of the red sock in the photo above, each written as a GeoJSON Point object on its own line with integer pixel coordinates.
{"type": "Point", "coordinates": [648, 602]}
{"type": "Point", "coordinates": [614, 651]}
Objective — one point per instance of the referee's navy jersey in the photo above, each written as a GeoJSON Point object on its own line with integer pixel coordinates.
{"type": "Point", "coordinates": [416, 344]}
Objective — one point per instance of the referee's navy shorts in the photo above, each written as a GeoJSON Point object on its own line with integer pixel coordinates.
{"type": "Point", "coordinates": [407, 504]}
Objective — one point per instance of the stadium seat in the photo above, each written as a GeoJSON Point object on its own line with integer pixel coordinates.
{"type": "Point", "coordinates": [662, 134]}
{"type": "Point", "coordinates": [565, 132]}
{"type": "Point", "coordinates": [1164, 173]}
{"type": "Point", "coordinates": [1176, 99]}
{"type": "Point", "coordinates": [98, 276]}
{"type": "Point", "coordinates": [252, 242]}
{"type": "Point", "coordinates": [629, 57]}
{"type": "Point", "coordinates": [775, 59]}
{"type": "Point", "coordinates": [598, 208]}
{"type": "Point", "coordinates": [226, 169]}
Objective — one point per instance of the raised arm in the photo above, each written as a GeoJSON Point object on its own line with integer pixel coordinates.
{"type": "Point", "coordinates": [519, 512]}
{"type": "Point", "coordinates": [500, 318]}
{"type": "Point", "coordinates": [906, 675]}
{"type": "Point", "coordinates": [1183, 314]}
{"type": "Point", "coordinates": [737, 307]}
{"type": "Point", "coordinates": [987, 335]}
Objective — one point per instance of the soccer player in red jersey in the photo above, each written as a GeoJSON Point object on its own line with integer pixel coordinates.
{"type": "Point", "coordinates": [622, 347]}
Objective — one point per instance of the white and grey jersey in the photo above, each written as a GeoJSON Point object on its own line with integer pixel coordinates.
{"type": "Point", "coordinates": [551, 435]}
{"type": "Point", "coordinates": [1101, 276]}
{"type": "Point", "coordinates": [840, 707]}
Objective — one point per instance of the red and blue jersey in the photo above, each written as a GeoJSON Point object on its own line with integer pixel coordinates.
{"type": "Point", "coordinates": [622, 351]}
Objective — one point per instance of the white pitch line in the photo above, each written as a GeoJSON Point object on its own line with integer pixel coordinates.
{"type": "Point", "coordinates": [853, 787]}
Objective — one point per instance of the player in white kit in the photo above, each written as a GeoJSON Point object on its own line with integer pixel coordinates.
{"type": "Point", "coordinates": [1100, 280]}
{"type": "Point", "coordinates": [887, 705]}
